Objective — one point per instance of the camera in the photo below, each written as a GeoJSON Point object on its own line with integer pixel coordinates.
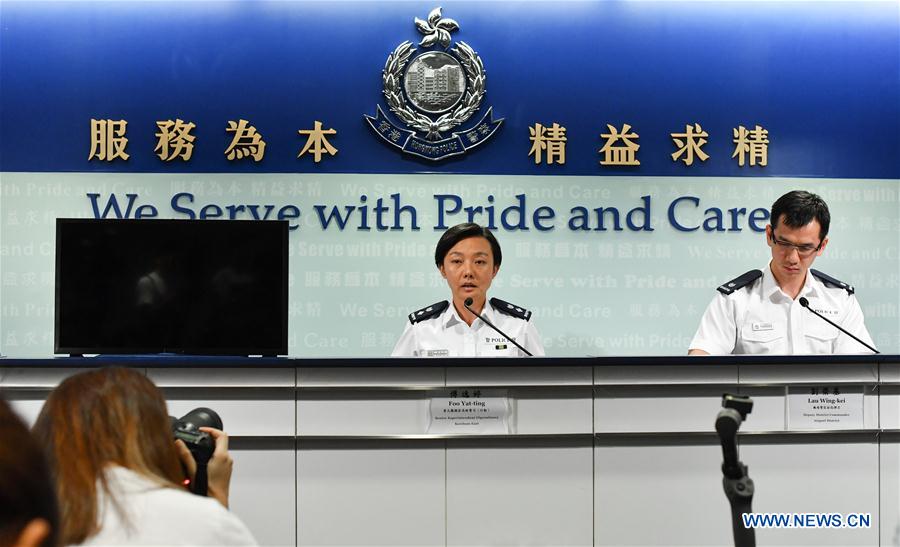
{"type": "Point", "coordinates": [200, 443]}
{"type": "Point", "coordinates": [187, 428]}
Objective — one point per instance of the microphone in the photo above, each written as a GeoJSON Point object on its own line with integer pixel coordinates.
{"type": "Point", "coordinates": [468, 302]}
{"type": "Point", "coordinates": [805, 303]}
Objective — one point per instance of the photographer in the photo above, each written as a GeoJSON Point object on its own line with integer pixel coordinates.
{"type": "Point", "coordinates": [118, 473]}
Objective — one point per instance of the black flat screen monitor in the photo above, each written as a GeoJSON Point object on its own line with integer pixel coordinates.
{"type": "Point", "coordinates": [196, 287]}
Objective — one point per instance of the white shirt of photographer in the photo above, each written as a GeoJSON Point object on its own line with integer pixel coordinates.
{"type": "Point", "coordinates": [449, 336]}
{"type": "Point", "coordinates": [144, 512]}
{"type": "Point", "coordinates": [761, 319]}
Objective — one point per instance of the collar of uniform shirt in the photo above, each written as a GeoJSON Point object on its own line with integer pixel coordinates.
{"type": "Point", "coordinates": [770, 285]}
{"type": "Point", "coordinates": [451, 317]}
{"type": "Point", "coordinates": [813, 286]}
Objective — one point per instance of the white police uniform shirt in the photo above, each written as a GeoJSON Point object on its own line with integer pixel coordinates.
{"type": "Point", "coordinates": [761, 319]}
{"type": "Point", "coordinates": [438, 331]}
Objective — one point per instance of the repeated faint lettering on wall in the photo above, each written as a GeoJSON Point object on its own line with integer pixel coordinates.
{"type": "Point", "coordinates": [593, 292]}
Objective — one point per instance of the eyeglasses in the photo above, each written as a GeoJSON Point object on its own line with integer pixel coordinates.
{"type": "Point", "coordinates": [803, 250]}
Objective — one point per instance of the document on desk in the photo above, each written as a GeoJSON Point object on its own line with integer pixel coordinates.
{"type": "Point", "coordinates": [825, 407]}
{"type": "Point", "coordinates": [470, 412]}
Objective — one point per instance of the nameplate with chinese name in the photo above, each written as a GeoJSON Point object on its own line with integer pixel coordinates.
{"type": "Point", "coordinates": [825, 407]}
{"type": "Point", "coordinates": [469, 411]}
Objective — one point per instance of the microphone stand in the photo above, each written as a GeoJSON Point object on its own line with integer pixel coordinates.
{"type": "Point", "coordinates": [468, 302]}
{"type": "Point", "coordinates": [737, 484]}
{"type": "Point", "coordinates": [805, 303]}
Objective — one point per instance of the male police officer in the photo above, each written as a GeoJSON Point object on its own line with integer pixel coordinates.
{"type": "Point", "coordinates": [468, 256]}
{"type": "Point", "coordinates": [761, 312]}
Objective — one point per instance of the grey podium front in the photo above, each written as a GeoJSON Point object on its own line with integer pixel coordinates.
{"type": "Point", "coordinates": [602, 451]}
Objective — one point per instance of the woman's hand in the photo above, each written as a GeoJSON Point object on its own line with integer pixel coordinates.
{"type": "Point", "coordinates": [218, 470]}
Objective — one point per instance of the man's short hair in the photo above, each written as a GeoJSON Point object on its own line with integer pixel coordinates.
{"type": "Point", "coordinates": [799, 208]}
{"type": "Point", "coordinates": [464, 231]}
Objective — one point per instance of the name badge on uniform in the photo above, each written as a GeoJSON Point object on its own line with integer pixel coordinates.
{"type": "Point", "coordinates": [437, 352]}
{"type": "Point", "coordinates": [762, 326]}
{"type": "Point", "coordinates": [499, 342]}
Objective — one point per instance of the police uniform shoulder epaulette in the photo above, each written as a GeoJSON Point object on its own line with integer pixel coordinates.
{"type": "Point", "coordinates": [511, 309]}
{"type": "Point", "coordinates": [428, 312]}
{"type": "Point", "coordinates": [739, 282]}
{"type": "Point", "coordinates": [832, 282]}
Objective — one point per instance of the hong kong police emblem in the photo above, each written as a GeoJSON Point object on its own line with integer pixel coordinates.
{"type": "Point", "coordinates": [433, 93]}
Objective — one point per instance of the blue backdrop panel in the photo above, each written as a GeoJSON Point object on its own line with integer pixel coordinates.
{"type": "Point", "coordinates": [821, 77]}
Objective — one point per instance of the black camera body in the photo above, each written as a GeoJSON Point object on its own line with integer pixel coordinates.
{"type": "Point", "coordinates": [200, 443]}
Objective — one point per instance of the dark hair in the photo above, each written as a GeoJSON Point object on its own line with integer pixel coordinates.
{"type": "Point", "coordinates": [460, 232]}
{"type": "Point", "coordinates": [99, 417]}
{"type": "Point", "coordinates": [26, 487]}
{"type": "Point", "coordinates": [799, 208]}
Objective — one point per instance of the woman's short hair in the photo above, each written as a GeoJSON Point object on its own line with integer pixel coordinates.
{"type": "Point", "coordinates": [460, 232]}
{"type": "Point", "coordinates": [96, 418]}
{"type": "Point", "coordinates": [26, 487]}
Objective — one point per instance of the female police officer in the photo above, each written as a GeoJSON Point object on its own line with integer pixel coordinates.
{"type": "Point", "coordinates": [468, 257]}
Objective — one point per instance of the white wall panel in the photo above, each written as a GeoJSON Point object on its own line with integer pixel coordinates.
{"type": "Point", "coordinates": [828, 474]}
{"type": "Point", "coordinates": [245, 412]}
{"type": "Point", "coordinates": [26, 404]}
{"type": "Point", "coordinates": [871, 407]}
{"type": "Point", "coordinates": [35, 377]}
{"type": "Point", "coordinates": [530, 375]}
{"type": "Point", "coordinates": [768, 412]}
{"type": "Point", "coordinates": [218, 377]}
{"type": "Point", "coordinates": [263, 488]}
{"type": "Point", "coordinates": [660, 492]}
{"type": "Point", "coordinates": [551, 410]}
{"type": "Point", "coordinates": [889, 521]}
{"type": "Point", "coordinates": [889, 406]}
{"type": "Point", "coordinates": [655, 408]}
{"type": "Point", "coordinates": [362, 413]}
{"type": "Point", "coordinates": [370, 493]}
{"type": "Point", "coordinates": [369, 377]}
{"type": "Point", "coordinates": [890, 372]}
{"type": "Point", "coordinates": [817, 374]}
{"type": "Point", "coordinates": [514, 493]}
{"type": "Point", "coordinates": [666, 374]}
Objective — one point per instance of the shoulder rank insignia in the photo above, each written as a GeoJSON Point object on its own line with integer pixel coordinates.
{"type": "Point", "coordinates": [739, 282]}
{"type": "Point", "coordinates": [428, 312]}
{"type": "Point", "coordinates": [832, 282]}
{"type": "Point", "coordinates": [510, 309]}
